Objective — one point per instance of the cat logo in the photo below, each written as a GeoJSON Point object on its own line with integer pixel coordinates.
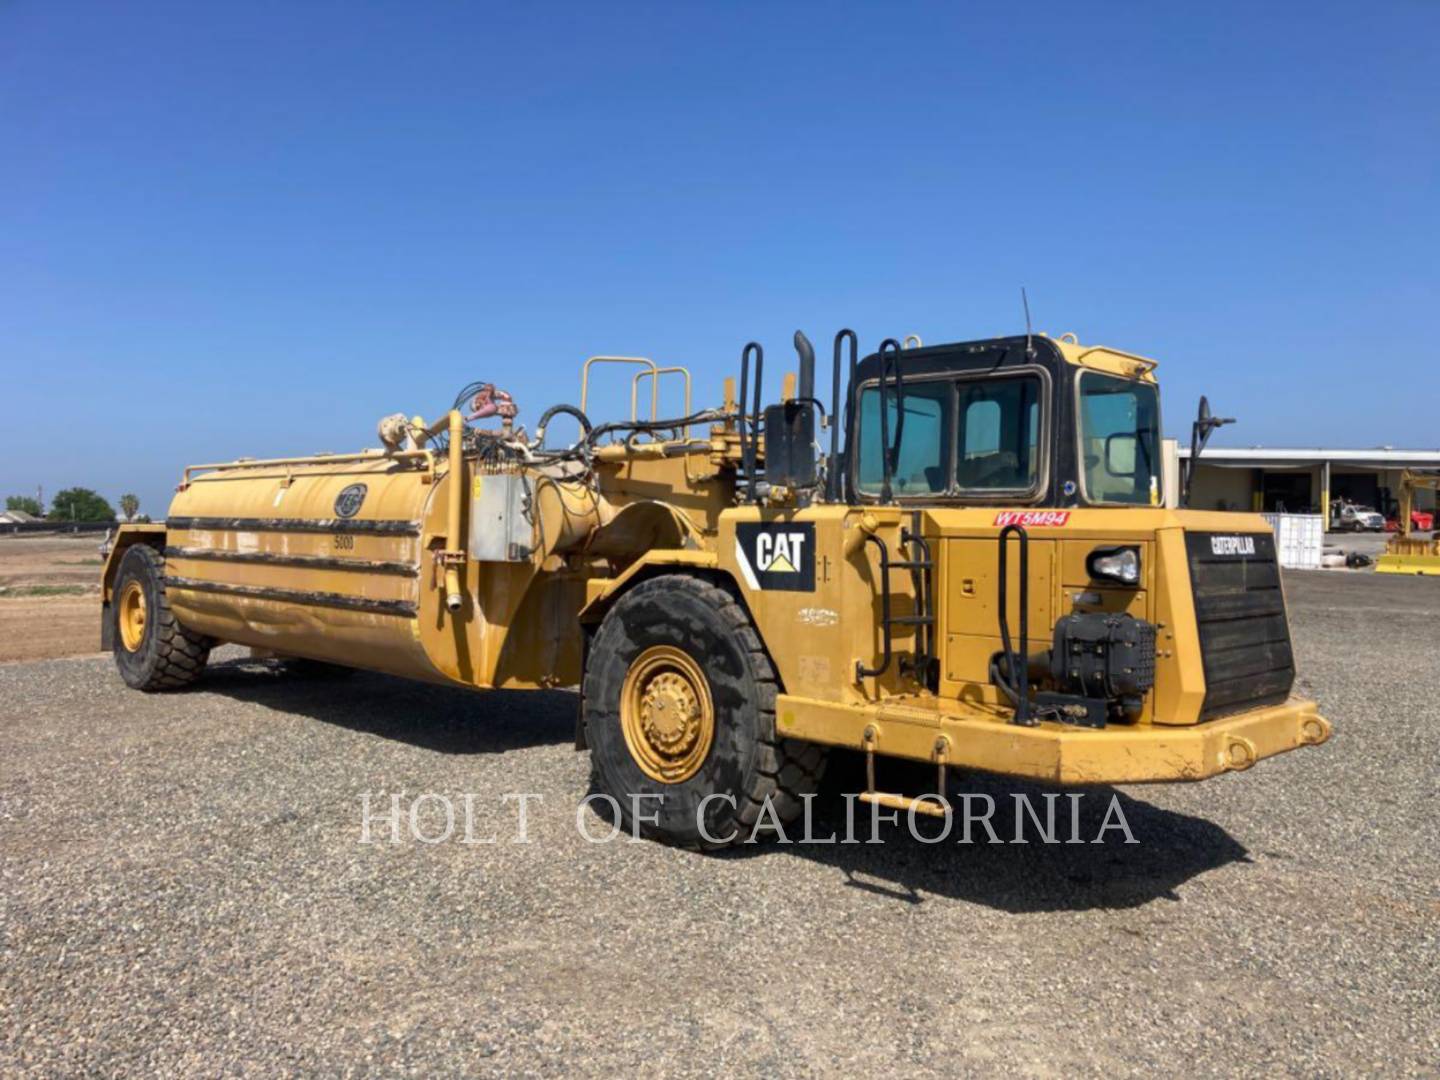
{"type": "Point", "coordinates": [776, 555]}
{"type": "Point", "coordinates": [773, 552]}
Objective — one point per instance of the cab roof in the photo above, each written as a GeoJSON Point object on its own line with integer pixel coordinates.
{"type": "Point", "coordinates": [996, 354]}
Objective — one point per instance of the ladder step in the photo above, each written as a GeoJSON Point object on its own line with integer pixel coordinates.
{"type": "Point", "coordinates": [913, 564]}
{"type": "Point", "coordinates": [904, 802]}
{"type": "Point", "coordinates": [911, 620]}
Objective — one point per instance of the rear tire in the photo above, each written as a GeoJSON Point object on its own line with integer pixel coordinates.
{"type": "Point", "coordinates": [672, 651]}
{"type": "Point", "coordinates": [152, 650]}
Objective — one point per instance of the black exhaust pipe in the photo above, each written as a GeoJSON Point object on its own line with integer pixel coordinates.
{"type": "Point", "coordinates": [806, 352]}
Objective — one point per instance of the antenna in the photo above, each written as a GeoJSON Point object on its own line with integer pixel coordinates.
{"type": "Point", "coordinates": [1025, 300]}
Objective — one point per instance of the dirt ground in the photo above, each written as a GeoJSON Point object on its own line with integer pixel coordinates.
{"type": "Point", "coordinates": [49, 596]}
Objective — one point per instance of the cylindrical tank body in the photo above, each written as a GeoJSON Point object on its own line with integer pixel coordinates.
{"type": "Point", "coordinates": [345, 559]}
{"type": "Point", "coordinates": [322, 560]}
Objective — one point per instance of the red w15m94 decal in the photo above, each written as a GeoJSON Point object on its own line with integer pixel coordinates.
{"type": "Point", "coordinates": [1033, 519]}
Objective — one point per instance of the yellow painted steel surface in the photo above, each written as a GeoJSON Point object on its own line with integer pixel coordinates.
{"type": "Point", "coordinates": [132, 615]}
{"type": "Point", "coordinates": [982, 738]}
{"type": "Point", "coordinates": [1414, 557]}
{"type": "Point", "coordinates": [826, 631]}
{"type": "Point", "coordinates": [666, 714]}
{"type": "Point", "coordinates": [261, 557]}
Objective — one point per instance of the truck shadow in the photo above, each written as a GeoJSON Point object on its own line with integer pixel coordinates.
{"type": "Point", "coordinates": [447, 720]}
{"type": "Point", "coordinates": [1170, 848]}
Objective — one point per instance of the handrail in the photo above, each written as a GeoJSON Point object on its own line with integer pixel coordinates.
{"type": "Point", "coordinates": [887, 644]}
{"type": "Point", "coordinates": [1017, 662]}
{"type": "Point", "coordinates": [646, 361]}
{"type": "Point", "coordinates": [890, 456]}
{"type": "Point", "coordinates": [635, 390]}
{"type": "Point", "coordinates": [312, 459]}
{"type": "Point", "coordinates": [749, 439]}
{"type": "Point", "coordinates": [833, 486]}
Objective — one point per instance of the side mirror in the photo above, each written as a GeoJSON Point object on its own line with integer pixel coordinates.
{"type": "Point", "coordinates": [1120, 453]}
{"type": "Point", "coordinates": [1200, 432]}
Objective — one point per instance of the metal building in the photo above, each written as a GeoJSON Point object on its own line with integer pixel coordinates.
{"type": "Point", "coordinates": [1305, 480]}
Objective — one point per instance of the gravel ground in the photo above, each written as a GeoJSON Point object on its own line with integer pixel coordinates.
{"type": "Point", "coordinates": [183, 891]}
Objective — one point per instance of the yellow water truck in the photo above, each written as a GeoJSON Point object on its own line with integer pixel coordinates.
{"type": "Point", "coordinates": [979, 572]}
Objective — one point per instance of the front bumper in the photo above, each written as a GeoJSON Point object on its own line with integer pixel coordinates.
{"type": "Point", "coordinates": [1058, 753]}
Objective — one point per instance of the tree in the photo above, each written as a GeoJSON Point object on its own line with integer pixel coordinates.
{"type": "Point", "coordinates": [25, 503]}
{"type": "Point", "coordinates": [80, 504]}
{"type": "Point", "coordinates": [129, 506]}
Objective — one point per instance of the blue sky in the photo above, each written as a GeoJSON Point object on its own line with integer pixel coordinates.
{"type": "Point", "coordinates": [256, 228]}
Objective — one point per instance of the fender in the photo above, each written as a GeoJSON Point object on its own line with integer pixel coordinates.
{"type": "Point", "coordinates": [124, 537]}
{"type": "Point", "coordinates": [601, 593]}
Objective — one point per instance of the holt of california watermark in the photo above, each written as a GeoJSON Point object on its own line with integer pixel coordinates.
{"type": "Point", "coordinates": [968, 818]}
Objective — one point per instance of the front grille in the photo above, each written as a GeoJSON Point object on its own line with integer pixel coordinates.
{"type": "Point", "coordinates": [1240, 609]}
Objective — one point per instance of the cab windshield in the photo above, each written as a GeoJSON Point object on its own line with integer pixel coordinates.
{"type": "Point", "coordinates": [1119, 440]}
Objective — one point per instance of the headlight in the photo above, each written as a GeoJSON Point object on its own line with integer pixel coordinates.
{"type": "Point", "coordinates": [1118, 564]}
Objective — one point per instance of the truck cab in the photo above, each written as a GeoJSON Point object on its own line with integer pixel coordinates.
{"type": "Point", "coordinates": [1000, 584]}
{"type": "Point", "coordinates": [1015, 422]}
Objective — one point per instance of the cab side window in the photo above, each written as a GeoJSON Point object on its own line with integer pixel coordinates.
{"type": "Point", "coordinates": [920, 467]}
{"type": "Point", "coordinates": [999, 436]}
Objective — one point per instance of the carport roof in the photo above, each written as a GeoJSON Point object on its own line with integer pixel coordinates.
{"type": "Point", "coordinates": [1381, 457]}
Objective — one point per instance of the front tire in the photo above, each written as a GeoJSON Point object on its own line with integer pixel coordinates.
{"type": "Point", "coordinates": [152, 650]}
{"type": "Point", "coordinates": [679, 709]}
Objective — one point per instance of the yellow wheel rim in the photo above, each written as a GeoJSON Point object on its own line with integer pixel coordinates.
{"type": "Point", "coordinates": [132, 616]}
{"type": "Point", "coordinates": [666, 714]}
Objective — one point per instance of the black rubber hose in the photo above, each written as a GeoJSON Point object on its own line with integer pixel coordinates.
{"type": "Point", "coordinates": [569, 410]}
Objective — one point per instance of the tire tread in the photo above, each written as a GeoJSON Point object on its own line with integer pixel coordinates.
{"type": "Point", "coordinates": [180, 655]}
{"type": "Point", "coordinates": [785, 769]}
